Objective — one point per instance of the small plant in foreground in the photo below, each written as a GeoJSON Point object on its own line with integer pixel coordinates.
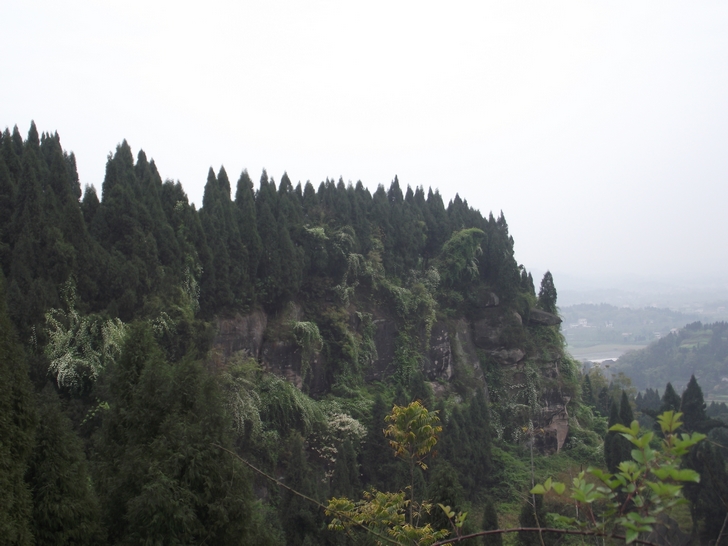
{"type": "Point", "coordinates": [639, 491]}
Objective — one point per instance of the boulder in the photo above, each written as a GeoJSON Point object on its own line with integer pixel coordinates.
{"type": "Point", "coordinates": [543, 318]}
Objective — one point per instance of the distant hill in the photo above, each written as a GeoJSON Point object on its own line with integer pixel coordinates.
{"type": "Point", "coordinates": [700, 349]}
{"type": "Point", "coordinates": [586, 325]}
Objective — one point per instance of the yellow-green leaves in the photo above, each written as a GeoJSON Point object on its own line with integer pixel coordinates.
{"type": "Point", "coordinates": [413, 431]}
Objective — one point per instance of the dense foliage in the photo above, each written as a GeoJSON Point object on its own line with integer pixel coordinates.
{"type": "Point", "coordinates": [697, 349]}
{"type": "Point", "coordinates": [124, 419]}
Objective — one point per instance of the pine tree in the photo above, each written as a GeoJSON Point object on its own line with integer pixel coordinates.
{"type": "Point", "coordinates": [611, 450]}
{"type": "Point", "coordinates": [65, 506]}
{"type": "Point", "coordinates": [693, 407]}
{"type": "Point", "coordinates": [547, 293]}
{"type": "Point", "coordinates": [490, 523]}
{"type": "Point", "coordinates": [625, 418]}
{"type": "Point", "coordinates": [159, 470]}
{"type": "Point", "coordinates": [670, 400]}
{"type": "Point", "coordinates": [17, 430]}
{"type": "Point", "coordinates": [587, 393]}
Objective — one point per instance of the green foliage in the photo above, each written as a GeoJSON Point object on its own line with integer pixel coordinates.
{"type": "Point", "coordinates": [157, 465]}
{"type": "Point", "coordinates": [547, 293]}
{"type": "Point", "coordinates": [699, 349]}
{"type": "Point", "coordinates": [65, 507]}
{"type": "Point", "coordinates": [18, 420]}
{"type": "Point", "coordinates": [641, 489]}
{"type": "Point", "coordinates": [79, 347]}
{"type": "Point", "coordinates": [458, 260]}
{"type": "Point", "coordinates": [392, 517]}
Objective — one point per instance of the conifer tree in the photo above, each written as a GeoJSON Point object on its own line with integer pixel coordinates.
{"type": "Point", "coordinates": [159, 470]}
{"type": "Point", "coordinates": [247, 226]}
{"type": "Point", "coordinates": [17, 431]}
{"type": "Point", "coordinates": [65, 507]}
{"type": "Point", "coordinates": [693, 407]}
{"type": "Point", "coordinates": [670, 400]}
{"type": "Point", "coordinates": [490, 523]}
{"type": "Point", "coordinates": [611, 449]}
{"type": "Point", "coordinates": [547, 293]}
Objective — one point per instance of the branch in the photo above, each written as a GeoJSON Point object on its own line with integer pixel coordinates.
{"type": "Point", "coordinates": [541, 530]}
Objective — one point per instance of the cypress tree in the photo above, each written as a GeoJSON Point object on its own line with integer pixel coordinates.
{"type": "Point", "coordinates": [670, 400]}
{"type": "Point", "coordinates": [490, 523]}
{"type": "Point", "coordinates": [587, 393]}
{"type": "Point", "coordinates": [535, 516]}
{"type": "Point", "coordinates": [65, 506]}
{"type": "Point", "coordinates": [625, 417]}
{"type": "Point", "coordinates": [693, 407]}
{"type": "Point", "coordinates": [547, 293]}
{"type": "Point", "coordinates": [247, 226]}
{"type": "Point", "coordinates": [159, 469]}
{"type": "Point", "coordinates": [611, 449]}
{"type": "Point", "coordinates": [18, 420]}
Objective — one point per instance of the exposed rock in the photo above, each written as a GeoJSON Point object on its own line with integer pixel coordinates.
{"type": "Point", "coordinates": [240, 334]}
{"type": "Point", "coordinates": [283, 358]}
{"type": "Point", "coordinates": [465, 352]}
{"type": "Point", "coordinates": [508, 357]}
{"type": "Point", "coordinates": [385, 334]}
{"type": "Point", "coordinates": [487, 332]}
{"type": "Point", "coordinates": [438, 359]}
{"type": "Point", "coordinates": [543, 318]}
{"type": "Point", "coordinates": [554, 422]}
{"type": "Point", "coordinates": [490, 300]}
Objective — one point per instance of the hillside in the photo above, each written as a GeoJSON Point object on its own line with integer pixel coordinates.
{"type": "Point", "coordinates": [697, 349]}
{"type": "Point", "coordinates": [279, 322]}
{"type": "Point", "coordinates": [589, 324]}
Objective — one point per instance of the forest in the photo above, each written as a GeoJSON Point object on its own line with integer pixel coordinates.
{"type": "Point", "coordinates": [697, 349]}
{"type": "Point", "coordinates": [296, 365]}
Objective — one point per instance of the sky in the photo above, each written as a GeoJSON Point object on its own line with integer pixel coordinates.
{"type": "Point", "coordinates": [600, 129]}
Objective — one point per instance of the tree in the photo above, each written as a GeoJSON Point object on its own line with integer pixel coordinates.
{"type": "Point", "coordinates": [611, 452]}
{"type": "Point", "coordinates": [65, 507]}
{"type": "Point", "coordinates": [547, 293]}
{"type": "Point", "coordinates": [692, 405]}
{"type": "Point", "coordinates": [18, 420]}
{"type": "Point", "coordinates": [641, 489]}
{"type": "Point", "coordinates": [413, 431]}
{"type": "Point", "coordinates": [159, 467]}
{"type": "Point", "coordinates": [490, 523]}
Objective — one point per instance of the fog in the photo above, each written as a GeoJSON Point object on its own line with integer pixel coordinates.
{"type": "Point", "coordinates": [599, 129]}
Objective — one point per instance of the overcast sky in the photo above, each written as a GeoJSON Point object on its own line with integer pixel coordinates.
{"type": "Point", "coordinates": [599, 128]}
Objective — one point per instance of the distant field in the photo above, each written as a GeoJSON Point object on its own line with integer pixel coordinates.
{"type": "Point", "coordinates": [602, 352]}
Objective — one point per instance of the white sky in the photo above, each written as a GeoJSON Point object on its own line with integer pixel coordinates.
{"type": "Point", "coordinates": [599, 128]}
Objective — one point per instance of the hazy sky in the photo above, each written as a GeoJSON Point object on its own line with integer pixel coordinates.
{"type": "Point", "coordinates": [599, 128]}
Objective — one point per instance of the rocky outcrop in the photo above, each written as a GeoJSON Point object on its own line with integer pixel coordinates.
{"type": "Point", "coordinates": [283, 358]}
{"type": "Point", "coordinates": [385, 335]}
{"type": "Point", "coordinates": [465, 352]}
{"type": "Point", "coordinates": [240, 333]}
{"type": "Point", "coordinates": [454, 349]}
{"type": "Point", "coordinates": [438, 360]}
{"type": "Point", "coordinates": [543, 318]}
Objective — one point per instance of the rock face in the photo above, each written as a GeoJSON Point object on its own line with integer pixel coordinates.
{"type": "Point", "coordinates": [554, 421]}
{"type": "Point", "coordinates": [454, 349]}
{"type": "Point", "coordinates": [240, 334]}
{"type": "Point", "coordinates": [544, 318]}
{"type": "Point", "coordinates": [438, 361]}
